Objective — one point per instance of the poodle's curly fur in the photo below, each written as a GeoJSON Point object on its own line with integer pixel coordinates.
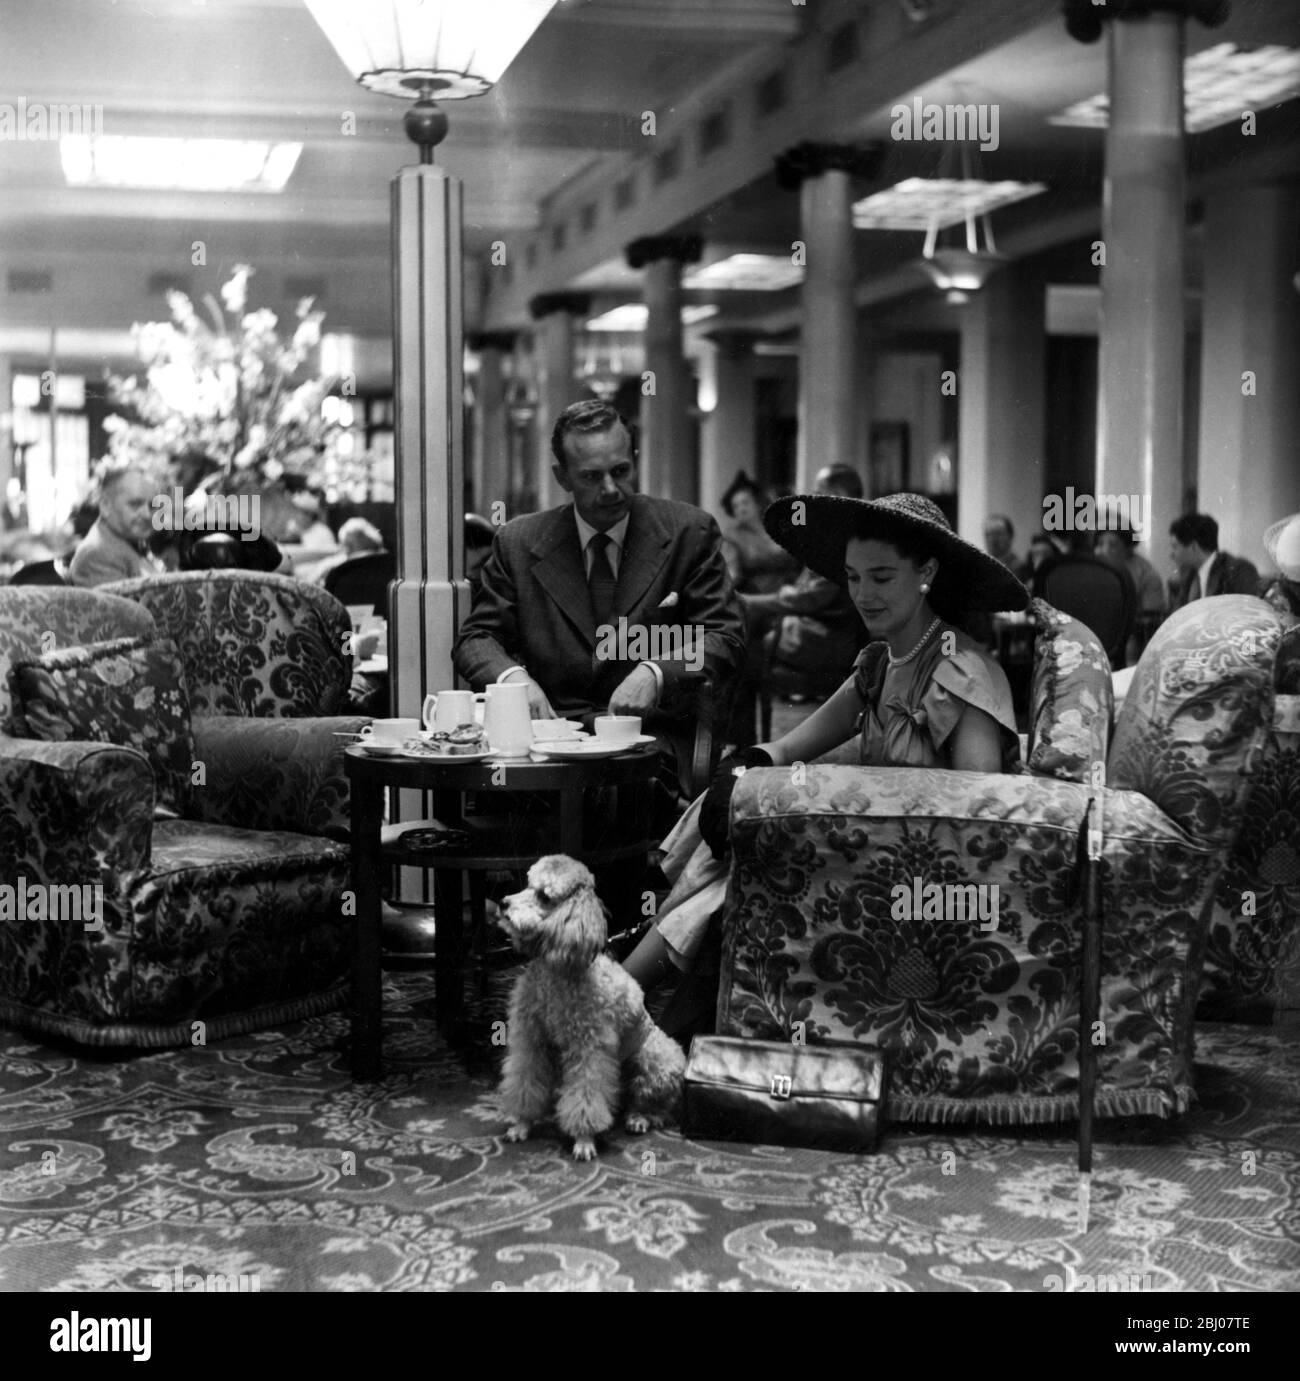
{"type": "Point", "coordinates": [578, 1030]}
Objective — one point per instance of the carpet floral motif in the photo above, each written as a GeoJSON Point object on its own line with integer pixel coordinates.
{"type": "Point", "coordinates": [257, 1163]}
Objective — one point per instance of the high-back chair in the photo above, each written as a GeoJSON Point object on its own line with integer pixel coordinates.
{"type": "Point", "coordinates": [1095, 592]}
{"type": "Point", "coordinates": [939, 914]}
{"type": "Point", "coordinates": [252, 643]}
{"type": "Point", "coordinates": [363, 580]}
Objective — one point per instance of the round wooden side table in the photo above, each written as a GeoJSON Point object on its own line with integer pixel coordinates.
{"type": "Point", "coordinates": [596, 810]}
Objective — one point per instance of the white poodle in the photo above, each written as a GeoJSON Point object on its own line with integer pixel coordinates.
{"type": "Point", "coordinates": [578, 1028]}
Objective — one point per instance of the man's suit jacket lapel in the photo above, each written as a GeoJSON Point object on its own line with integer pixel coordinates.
{"type": "Point", "coordinates": [558, 569]}
{"type": "Point", "coordinates": [1214, 581]}
{"type": "Point", "coordinates": [644, 553]}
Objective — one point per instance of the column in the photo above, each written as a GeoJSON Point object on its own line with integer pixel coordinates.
{"type": "Point", "coordinates": [6, 432]}
{"type": "Point", "coordinates": [1250, 363]}
{"type": "Point", "coordinates": [667, 468]}
{"type": "Point", "coordinates": [829, 382]}
{"type": "Point", "coordinates": [1001, 402]}
{"type": "Point", "coordinates": [556, 389]}
{"type": "Point", "coordinates": [727, 434]}
{"type": "Point", "coordinates": [490, 473]}
{"type": "Point", "coordinates": [429, 597]}
{"type": "Point", "coordinates": [1141, 346]}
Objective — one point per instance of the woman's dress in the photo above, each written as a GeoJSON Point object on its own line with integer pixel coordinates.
{"type": "Point", "coordinates": [909, 717]}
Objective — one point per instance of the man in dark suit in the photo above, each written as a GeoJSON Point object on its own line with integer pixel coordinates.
{"type": "Point", "coordinates": [615, 601]}
{"type": "Point", "coordinates": [1204, 570]}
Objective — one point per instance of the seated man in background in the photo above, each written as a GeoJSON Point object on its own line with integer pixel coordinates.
{"type": "Point", "coordinates": [357, 537]}
{"type": "Point", "coordinates": [117, 545]}
{"type": "Point", "coordinates": [1204, 570]}
{"type": "Point", "coordinates": [999, 538]}
{"type": "Point", "coordinates": [1119, 547]}
{"type": "Point", "coordinates": [615, 601]}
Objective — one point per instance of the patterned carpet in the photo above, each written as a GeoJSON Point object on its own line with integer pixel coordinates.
{"type": "Point", "coordinates": [260, 1158]}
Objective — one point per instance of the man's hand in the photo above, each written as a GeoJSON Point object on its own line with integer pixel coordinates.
{"type": "Point", "coordinates": [539, 707]}
{"type": "Point", "coordinates": [637, 693]}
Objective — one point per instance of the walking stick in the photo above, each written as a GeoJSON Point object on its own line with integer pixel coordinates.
{"type": "Point", "coordinates": [1089, 997]}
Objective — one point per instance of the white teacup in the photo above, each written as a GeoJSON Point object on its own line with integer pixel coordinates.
{"type": "Point", "coordinates": [449, 709]}
{"type": "Point", "coordinates": [391, 732]}
{"type": "Point", "coordinates": [617, 728]}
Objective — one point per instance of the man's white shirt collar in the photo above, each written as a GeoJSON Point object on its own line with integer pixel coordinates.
{"type": "Point", "coordinates": [617, 536]}
{"type": "Point", "coordinates": [1204, 574]}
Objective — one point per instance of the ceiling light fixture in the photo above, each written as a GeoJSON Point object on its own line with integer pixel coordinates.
{"type": "Point", "coordinates": [421, 49]}
{"type": "Point", "coordinates": [917, 203]}
{"type": "Point", "coordinates": [746, 273]}
{"type": "Point", "coordinates": [632, 316]}
{"type": "Point", "coordinates": [177, 165]}
{"type": "Point", "coordinates": [1219, 84]}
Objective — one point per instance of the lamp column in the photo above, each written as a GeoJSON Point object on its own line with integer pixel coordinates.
{"type": "Point", "coordinates": [727, 438]}
{"type": "Point", "coordinates": [1141, 348]}
{"type": "Point", "coordinates": [1250, 361]}
{"type": "Point", "coordinates": [553, 360]}
{"type": "Point", "coordinates": [490, 473]}
{"type": "Point", "coordinates": [429, 597]}
{"type": "Point", "coordinates": [828, 360]}
{"type": "Point", "coordinates": [667, 467]}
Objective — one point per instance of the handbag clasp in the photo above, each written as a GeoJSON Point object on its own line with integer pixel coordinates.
{"type": "Point", "coordinates": [781, 1086]}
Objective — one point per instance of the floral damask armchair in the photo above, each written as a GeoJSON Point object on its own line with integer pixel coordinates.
{"type": "Point", "coordinates": [221, 888]}
{"type": "Point", "coordinates": [1252, 958]}
{"type": "Point", "coordinates": [980, 1017]}
{"type": "Point", "coordinates": [258, 650]}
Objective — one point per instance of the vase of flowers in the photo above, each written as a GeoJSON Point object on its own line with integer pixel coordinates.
{"type": "Point", "coordinates": [222, 392]}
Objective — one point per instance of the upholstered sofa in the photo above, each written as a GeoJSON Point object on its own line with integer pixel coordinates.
{"type": "Point", "coordinates": [980, 1017]}
{"type": "Point", "coordinates": [226, 911]}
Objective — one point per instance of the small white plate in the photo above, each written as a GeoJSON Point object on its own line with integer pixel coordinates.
{"type": "Point", "coordinates": [431, 754]}
{"type": "Point", "coordinates": [379, 750]}
{"type": "Point", "coordinates": [590, 748]}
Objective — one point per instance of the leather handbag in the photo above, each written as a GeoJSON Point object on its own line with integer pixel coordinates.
{"type": "Point", "coordinates": [781, 1094]}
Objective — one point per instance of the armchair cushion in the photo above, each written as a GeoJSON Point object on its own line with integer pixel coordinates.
{"type": "Point", "coordinates": [1071, 698]}
{"type": "Point", "coordinates": [128, 691]}
{"type": "Point", "coordinates": [1195, 725]}
{"type": "Point", "coordinates": [979, 1009]}
{"type": "Point", "coordinates": [273, 774]}
{"type": "Point", "coordinates": [36, 619]}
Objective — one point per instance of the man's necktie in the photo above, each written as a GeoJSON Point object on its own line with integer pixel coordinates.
{"type": "Point", "coordinates": [1194, 589]}
{"type": "Point", "coordinates": [600, 579]}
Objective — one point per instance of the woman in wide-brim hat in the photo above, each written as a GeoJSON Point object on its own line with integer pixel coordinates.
{"type": "Point", "coordinates": [923, 693]}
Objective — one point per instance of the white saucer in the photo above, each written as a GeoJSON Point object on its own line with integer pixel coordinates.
{"type": "Point", "coordinates": [565, 749]}
{"type": "Point", "coordinates": [379, 750]}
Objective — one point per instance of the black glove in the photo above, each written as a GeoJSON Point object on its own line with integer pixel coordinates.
{"type": "Point", "coordinates": [715, 813]}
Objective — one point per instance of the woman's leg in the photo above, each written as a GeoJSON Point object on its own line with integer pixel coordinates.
{"type": "Point", "coordinates": [649, 962]}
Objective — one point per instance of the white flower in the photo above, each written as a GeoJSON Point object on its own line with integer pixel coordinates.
{"type": "Point", "coordinates": [235, 292]}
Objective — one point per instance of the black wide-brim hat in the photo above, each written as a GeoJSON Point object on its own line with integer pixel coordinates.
{"type": "Point", "coordinates": [816, 528]}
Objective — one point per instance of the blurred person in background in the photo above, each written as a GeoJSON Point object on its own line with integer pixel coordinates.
{"type": "Point", "coordinates": [757, 565]}
{"type": "Point", "coordinates": [117, 545]}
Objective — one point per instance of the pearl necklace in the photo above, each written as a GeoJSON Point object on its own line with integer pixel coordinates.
{"type": "Point", "coordinates": [925, 638]}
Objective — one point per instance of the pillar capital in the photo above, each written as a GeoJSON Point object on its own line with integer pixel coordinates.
{"type": "Point", "coordinates": [686, 249]}
{"type": "Point", "coordinates": [545, 304]}
{"type": "Point", "coordinates": [809, 159]}
{"type": "Point", "coordinates": [1084, 19]}
{"type": "Point", "coordinates": [478, 341]}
